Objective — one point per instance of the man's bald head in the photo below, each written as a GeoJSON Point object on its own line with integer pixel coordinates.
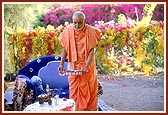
{"type": "Point", "coordinates": [78, 19]}
{"type": "Point", "coordinates": [78, 14]}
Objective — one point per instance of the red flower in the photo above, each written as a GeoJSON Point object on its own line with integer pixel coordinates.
{"type": "Point", "coordinates": [34, 34]}
{"type": "Point", "coordinates": [51, 34]}
{"type": "Point", "coordinates": [140, 39]}
{"type": "Point", "coordinates": [64, 99]}
{"type": "Point", "coordinates": [135, 46]}
{"type": "Point", "coordinates": [14, 38]}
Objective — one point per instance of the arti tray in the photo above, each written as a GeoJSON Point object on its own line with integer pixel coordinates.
{"type": "Point", "coordinates": [71, 72]}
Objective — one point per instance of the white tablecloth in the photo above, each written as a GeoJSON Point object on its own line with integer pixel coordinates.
{"type": "Point", "coordinates": [61, 104]}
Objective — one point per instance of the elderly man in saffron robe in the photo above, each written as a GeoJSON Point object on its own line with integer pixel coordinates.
{"type": "Point", "coordinates": [79, 41]}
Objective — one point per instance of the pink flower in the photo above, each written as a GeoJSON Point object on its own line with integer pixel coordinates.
{"type": "Point", "coordinates": [99, 38]}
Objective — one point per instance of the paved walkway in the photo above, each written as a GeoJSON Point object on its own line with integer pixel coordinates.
{"type": "Point", "coordinates": [133, 94]}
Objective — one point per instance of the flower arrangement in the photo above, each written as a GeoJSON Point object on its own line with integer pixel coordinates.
{"type": "Point", "coordinates": [141, 42]}
{"type": "Point", "coordinates": [125, 44]}
{"type": "Point", "coordinates": [29, 44]}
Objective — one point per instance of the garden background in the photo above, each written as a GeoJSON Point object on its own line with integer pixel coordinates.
{"type": "Point", "coordinates": [132, 39]}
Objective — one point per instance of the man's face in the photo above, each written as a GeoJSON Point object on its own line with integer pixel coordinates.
{"type": "Point", "coordinates": [79, 23]}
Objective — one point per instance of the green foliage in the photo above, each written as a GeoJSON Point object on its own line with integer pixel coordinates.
{"type": "Point", "coordinates": [39, 21]}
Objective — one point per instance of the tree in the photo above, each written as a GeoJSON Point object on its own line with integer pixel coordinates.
{"type": "Point", "coordinates": [16, 16]}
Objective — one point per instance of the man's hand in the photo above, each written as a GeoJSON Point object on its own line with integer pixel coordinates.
{"type": "Point", "coordinates": [60, 69]}
{"type": "Point", "coordinates": [85, 69]}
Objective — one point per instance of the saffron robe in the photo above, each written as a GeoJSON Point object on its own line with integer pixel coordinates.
{"type": "Point", "coordinates": [77, 44]}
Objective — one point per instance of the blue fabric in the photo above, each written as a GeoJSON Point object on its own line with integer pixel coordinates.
{"type": "Point", "coordinates": [50, 76]}
{"type": "Point", "coordinates": [38, 85]}
{"type": "Point", "coordinates": [30, 85]}
{"type": "Point", "coordinates": [61, 92]}
{"type": "Point", "coordinates": [31, 69]}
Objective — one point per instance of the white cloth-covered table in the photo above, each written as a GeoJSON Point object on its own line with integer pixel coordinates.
{"type": "Point", "coordinates": [60, 104]}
